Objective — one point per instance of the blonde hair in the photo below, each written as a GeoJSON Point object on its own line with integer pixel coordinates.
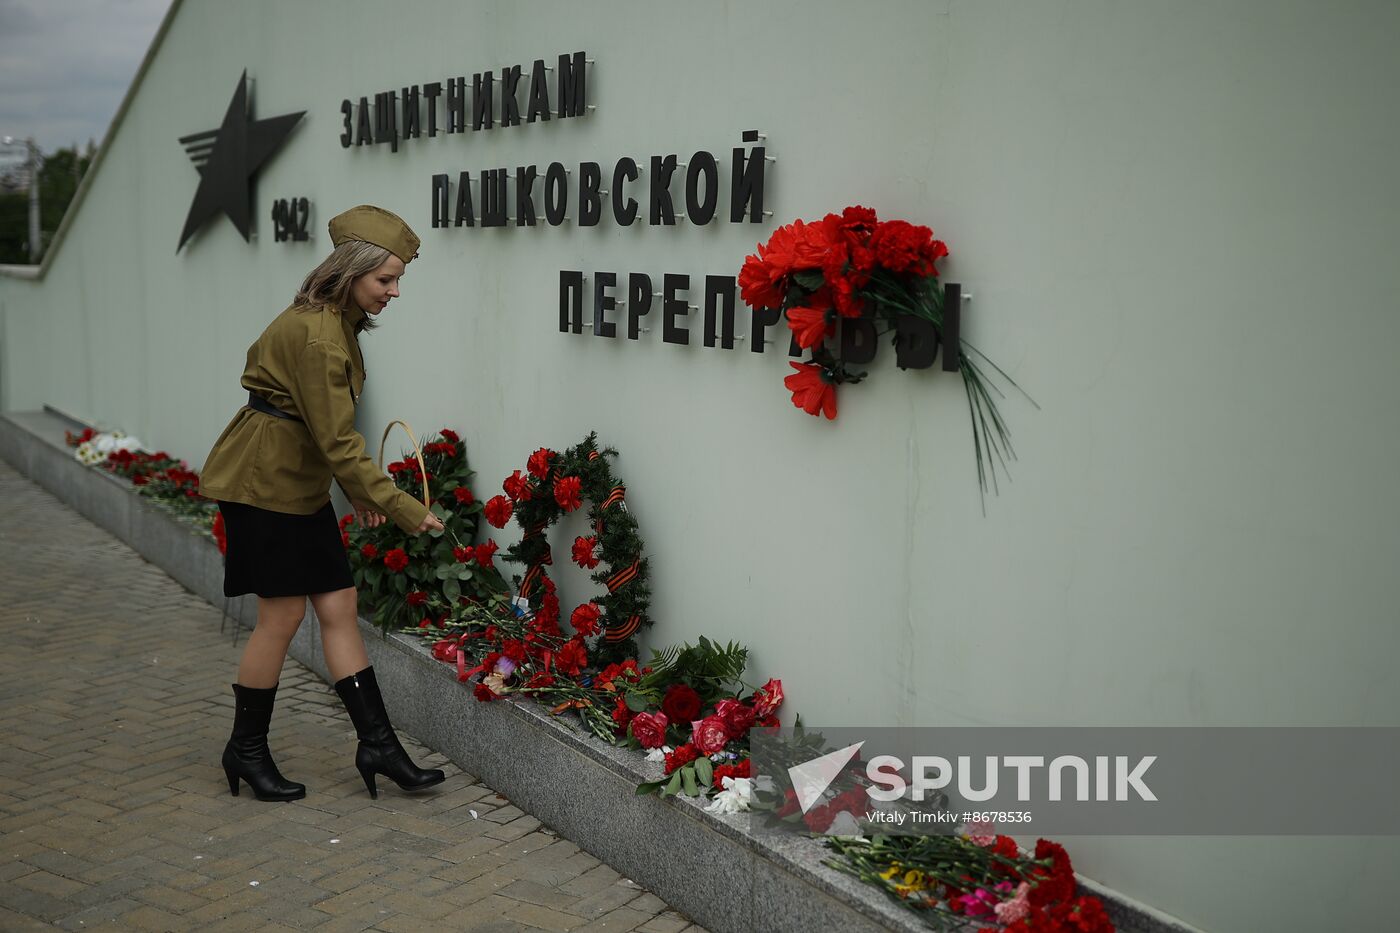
{"type": "Point", "coordinates": [331, 281]}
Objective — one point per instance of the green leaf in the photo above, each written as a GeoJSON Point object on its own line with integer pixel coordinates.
{"type": "Point", "coordinates": [650, 787]}
{"type": "Point", "coordinates": [451, 589]}
{"type": "Point", "coordinates": [809, 279]}
{"type": "Point", "coordinates": [704, 771]}
{"type": "Point", "coordinates": [688, 779]}
{"type": "Point", "coordinates": [636, 702]}
{"type": "Point", "coordinates": [673, 786]}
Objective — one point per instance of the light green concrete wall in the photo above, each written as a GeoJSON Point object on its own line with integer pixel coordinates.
{"type": "Point", "coordinates": [1175, 219]}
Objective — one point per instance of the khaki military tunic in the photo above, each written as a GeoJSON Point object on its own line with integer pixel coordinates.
{"type": "Point", "coordinates": [307, 363]}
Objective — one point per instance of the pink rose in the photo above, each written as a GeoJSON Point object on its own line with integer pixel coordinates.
{"type": "Point", "coordinates": [738, 718]}
{"type": "Point", "coordinates": [768, 698]}
{"type": "Point", "coordinates": [710, 734]}
{"type": "Point", "coordinates": [649, 729]}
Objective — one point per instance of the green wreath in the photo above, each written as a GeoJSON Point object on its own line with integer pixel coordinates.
{"type": "Point", "coordinates": [553, 485]}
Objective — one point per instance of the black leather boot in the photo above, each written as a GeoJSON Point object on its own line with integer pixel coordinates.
{"type": "Point", "coordinates": [379, 751]}
{"type": "Point", "coordinates": [247, 756]}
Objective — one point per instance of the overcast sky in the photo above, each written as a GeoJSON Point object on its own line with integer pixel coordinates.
{"type": "Point", "coordinates": [65, 65]}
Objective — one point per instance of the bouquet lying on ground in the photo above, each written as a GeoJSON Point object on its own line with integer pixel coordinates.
{"type": "Point", "coordinates": [420, 580]}
{"type": "Point", "coordinates": [157, 476]}
{"type": "Point", "coordinates": [855, 267]}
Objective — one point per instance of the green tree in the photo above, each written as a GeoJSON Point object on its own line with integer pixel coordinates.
{"type": "Point", "coordinates": [59, 176]}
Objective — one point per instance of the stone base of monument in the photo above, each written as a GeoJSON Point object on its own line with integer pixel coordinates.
{"type": "Point", "coordinates": [707, 865]}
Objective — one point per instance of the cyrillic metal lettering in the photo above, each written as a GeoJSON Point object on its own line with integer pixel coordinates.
{"type": "Point", "coordinates": [431, 92]}
{"type": "Point", "coordinates": [440, 212]}
{"type": "Point", "coordinates": [638, 302]}
{"type": "Point", "coordinates": [570, 301]}
{"type": "Point", "coordinates": [556, 194]}
{"type": "Point", "coordinates": [673, 307]}
{"type": "Point", "coordinates": [590, 206]}
{"type": "Point", "coordinates": [603, 301]}
{"type": "Point", "coordinates": [456, 105]}
{"type": "Point", "coordinates": [746, 185]}
{"type": "Point", "coordinates": [697, 211]}
{"type": "Point", "coordinates": [483, 85]}
{"type": "Point", "coordinates": [465, 214]}
{"type": "Point", "coordinates": [624, 211]}
{"type": "Point", "coordinates": [662, 210]}
{"type": "Point", "coordinates": [386, 120]}
{"type": "Point", "coordinates": [952, 325]}
{"type": "Point", "coordinates": [524, 196]}
{"type": "Point", "coordinates": [858, 340]}
{"type": "Point", "coordinates": [915, 342]}
{"type": "Point", "coordinates": [572, 97]}
{"type": "Point", "coordinates": [763, 318]}
{"type": "Point", "coordinates": [719, 287]}
{"type": "Point", "coordinates": [410, 113]}
{"type": "Point", "coordinates": [493, 198]}
{"type": "Point", "coordinates": [364, 135]}
{"type": "Point", "coordinates": [539, 93]}
{"type": "Point", "coordinates": [348, 109]}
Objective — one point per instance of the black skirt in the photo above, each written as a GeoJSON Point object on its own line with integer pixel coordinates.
{"type": "Point", "coordinates": [280, 554]}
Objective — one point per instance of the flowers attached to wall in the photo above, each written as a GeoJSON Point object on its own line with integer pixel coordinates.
{"type": "Point", "coordinates": [855, 270]}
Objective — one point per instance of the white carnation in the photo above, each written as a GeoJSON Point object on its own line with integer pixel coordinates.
{"type": "Point", "coordinates": [735, 798]}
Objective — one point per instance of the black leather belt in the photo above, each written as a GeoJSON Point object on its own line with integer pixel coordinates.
{"type": "Point", "coordinates": [258, 403]}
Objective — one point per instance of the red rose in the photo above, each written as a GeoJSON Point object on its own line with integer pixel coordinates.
{"type": "Point", "coordinates": [464, 495]}
{"type": "Point", "coordinates": [369, 552]}
{"type": "Point", "coordinates": [567, 490]}
{"type": "Point", "coordinates": [583, 552]}
{"type": "Point", "coordinates": [572, 657]}
{"type": "Point", "coordinates": [585, 619]}
{"type": "Point", "coordinates": [417, 598]}
{"type": "Point", "coordinates": [812, 389]}
{"type": "Point", "coordinates": [681, 703]}
{"type": "Point", "coordinates": [621, 714]}
{"type": "Point", "coordinates": [462, 554]}
{"type": "Point", "coordinates": [538, 464]}
{"type": "Point", "coordinates": [680, 757]}
{"type": "Point", "coordinates": [485, 554]}
{"type": "Point", "coordinates": [737, 717]}
{"type": "Point", "coordinates": [709, 734]}
{"type": "Point", "coordinates": [498, 510]}
{"type": "Point", "coordinates": [517, 487]}
{"type": "Point", "coordinates": [649, 729]}
{"type": "Point", "coordinates": [768, 698]}
{"type": "Point", "coordinates": [396, 560]}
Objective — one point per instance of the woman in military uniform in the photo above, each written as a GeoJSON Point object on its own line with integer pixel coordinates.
{"type": "Point", "coordinates": [271, 471]}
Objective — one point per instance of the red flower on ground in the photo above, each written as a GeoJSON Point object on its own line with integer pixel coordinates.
{"type": "Point", "coordinates": [741, 769]}
{"type": "Point", "coordinates": [585, 619]}
{"type": "Point", "coordinates": [464, 495]}
{"type": "Point", "coordinates": [681, 703]}
{"type": "Point", "coordinates": [583, 552]}
{"type": "Point", "coordinates": [567, 492]}
{"type": "Point", "coordinates": [811, 325]}
{"type": "Point", "coordinates": [1056, 883]}
{"type": "Point", "coordinates": [621, 715]}
{"type": "Point", "coordinates": [517, 487]}
{"type": "Point", "coordinates": [396, 560]}
{"type": "Point", "coordinates": [709, 734]}
{"type": "Point", "coordinates": [498, 510]}
{"type": "Point", "coordinates": [737, 717]}
{"type": "Point", "coordinates": [484, 694]}
{"type": "Point", "coordinates": [812, 389]}
{"type": "Point", "coordinates": [417, 598]}
{"type": "Point", "coordinates": [572, 657]}
{"type": "Point", "coordinates": [486, 553]}
{"type": "Point", "coordinates": [649, 729]}
{"type": "Point", "coordinates": [680, 757]}
{"type": "Point", "coordinates": [538, 464]}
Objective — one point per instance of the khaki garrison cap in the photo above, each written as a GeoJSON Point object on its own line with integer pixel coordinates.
{"type": "Point", "coordinates": [375, 225]}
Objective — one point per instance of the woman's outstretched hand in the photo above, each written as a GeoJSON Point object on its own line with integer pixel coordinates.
{"type": "Point", "coordinates": [431, 523]}
{"type": "Point", "coordinates": [366, 516]}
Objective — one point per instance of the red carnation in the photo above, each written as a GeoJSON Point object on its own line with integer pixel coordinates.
{"type": "Point", "coordinates": [548, 613]}
{"type": "Point", "coordinates": [768, 698]}
{"type": "Point", "coordinates": [485, 554]}
{"type": "Point", "coordinates": [585, 619]}
{"type": "Point", "coordinates": [484, 694]}
{"type": "Point", "coordinates": [498, 510]}
{"type": "Point", "coordinates": [812, 389]}
{"type": "Point", "coordinates": [449, 435]}
{"type": "Point", "coordinates": [567, 491]}
{"type": "Point", "coordinates": [649, 729]}
{"type": "Point", "coordinates": [417, 598]}
{"type": "Point", "coordinates": [583, 552]}
{"type": "Point", "coordinates": [680, 757]}
{"type": "Point", "coordinates": [900, 246]}
{"type": "Point", "coordinates": [572, 657]}
{"type": "Point", "coordinates": [369, 552]}
{"type": "Point", "coordinates": [462, 554]}
{"type": "Point", "coordinates": [621, 715]}
{"type": "Point", "coordinates": [517, 487]}
{"type": "Point", "coordinates": [811, 325]}
{"type": "Point", "coordinates": [396, 560]}
{"type": "Point", "coordinates": [538, 464]}
{"type": "Point", "coordinates": [464, 495]}
{"type": "Point", "coordinates": [681, 703]}
{"type": "Point", "coordinates": [740, 770]}
{"type": "Point", "coordinates": [347, 520]}
{"type": "Point", "coordinates": [1056, 883]}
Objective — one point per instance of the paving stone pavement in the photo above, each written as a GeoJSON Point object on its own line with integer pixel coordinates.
{"type": "Point", "coordinates": [114, 708]}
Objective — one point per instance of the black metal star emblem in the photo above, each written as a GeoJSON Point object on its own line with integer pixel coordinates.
{"type": "Point", "coordinates": [227, 160]}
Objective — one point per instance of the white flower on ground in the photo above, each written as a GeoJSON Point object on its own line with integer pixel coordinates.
{"type": "Point", "coordinates": [735, 798]}
{"type": "Point", "coordinates": [87, 454]}
{"type": "Point", "coordinates": [658, 755]}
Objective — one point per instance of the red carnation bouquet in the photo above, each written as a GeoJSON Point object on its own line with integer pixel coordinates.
{"type": "Point", "coordinates": [854, 266]}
